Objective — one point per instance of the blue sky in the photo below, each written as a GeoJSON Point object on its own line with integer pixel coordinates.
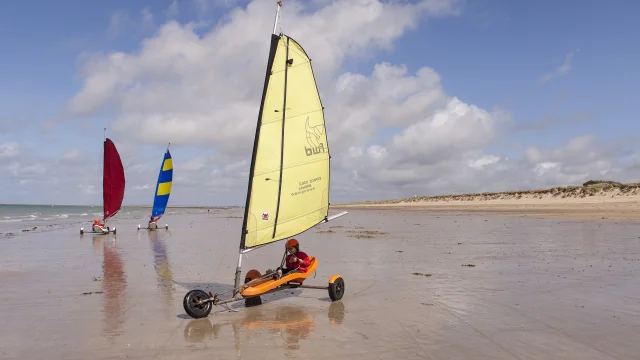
{"type": "Point", "coordinates": [492, 54]}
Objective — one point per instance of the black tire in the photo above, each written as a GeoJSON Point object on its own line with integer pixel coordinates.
{"type": "Point", "coordinates": [114, 231]}
{"type": "Point", "coordinates": [336, 289]}
{"type": "Point", "coordinates": [253, 301]}
{"type": "Point", "coordinates": [190, 304]}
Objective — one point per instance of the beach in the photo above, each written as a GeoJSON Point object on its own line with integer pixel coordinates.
{"type": "Point", "coordinates": [422, 282]}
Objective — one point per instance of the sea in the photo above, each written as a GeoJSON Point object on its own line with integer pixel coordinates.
{"type": "Point", "coordinates": [22, 218]}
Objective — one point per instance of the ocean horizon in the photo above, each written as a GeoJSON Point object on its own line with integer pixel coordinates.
{"type": "Point", "coordinates": [34, 217]}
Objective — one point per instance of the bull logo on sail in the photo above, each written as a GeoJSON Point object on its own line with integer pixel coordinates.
{"type": "Point", "coordinates": [314, 136]}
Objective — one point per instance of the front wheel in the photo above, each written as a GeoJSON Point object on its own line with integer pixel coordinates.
{"type": "Point", "coordinates": [336, 289]}
{"type": "Point", "coordinates": [191, 307]}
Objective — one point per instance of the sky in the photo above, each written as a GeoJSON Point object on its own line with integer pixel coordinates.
{"type": "Point", "coordinates": [422, 97]}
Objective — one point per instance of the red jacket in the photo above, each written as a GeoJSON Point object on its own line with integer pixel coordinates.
{"type": "Point", "coordinates": [295, 265]}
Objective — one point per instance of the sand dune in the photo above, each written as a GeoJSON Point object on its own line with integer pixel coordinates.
{"type": "Point", "coordinates": [594, 199]}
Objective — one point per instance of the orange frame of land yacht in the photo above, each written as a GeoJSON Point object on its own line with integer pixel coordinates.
{"type": "Point", "coordinates": [269, 285]}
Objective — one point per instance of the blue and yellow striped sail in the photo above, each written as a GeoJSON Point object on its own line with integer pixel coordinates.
{"type": "Point", "coordinates": [163, 189]}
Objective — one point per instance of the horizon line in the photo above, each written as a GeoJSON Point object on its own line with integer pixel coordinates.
{"type": "Point", "coordinates": [141, 206]}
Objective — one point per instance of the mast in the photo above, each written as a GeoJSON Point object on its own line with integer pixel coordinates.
{"type": "Point", "coordinates": [272, 51]}
{"type": "Point", "coordinates": [104, 159]}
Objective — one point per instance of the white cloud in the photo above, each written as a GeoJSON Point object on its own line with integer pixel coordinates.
{"type": "Point", "coordinates": [19, 170]}
{"type": "Point", "coordinates": [118, 22]}
{"type": "Point", "coordinates": [89, 189]}
{"type": "Point", "coordinates": [142, 187]}
{"type": "Point", "coordinates": [451, 131]}
{"type": "Point", "coordinates": [9, 150]}
{"type": "Point", "coordinates": [122, 23]}
{"type": "Point", "coordinates": [74, 156]}
{"type": "Point", "coordinates": [146, 18]}
{"type": "Point", "coordinates": [196, 164]}
{"type": "Point", "coordinates": [560, 70]}
{"type": "Point", "coordinates": [544, 167]}
{"type": "Point", "coordinates": [483, 161]}
{"type": "Point", "coordinates": [204, 6]}
{"type": "Point", "coordinates": [190, 89]}
{"type": "Point", "coordinates": [173, 10]}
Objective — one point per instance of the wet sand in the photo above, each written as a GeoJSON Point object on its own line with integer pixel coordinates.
{"type": "Point", "coordinates": [540, 289]}
{"type": "Point", "coordinates": [576, 209]}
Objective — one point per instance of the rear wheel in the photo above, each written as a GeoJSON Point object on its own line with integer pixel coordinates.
{"type": "Point", "coordinates": [191, 307]}
{"type": "Point", "coordinates": [336, 289]}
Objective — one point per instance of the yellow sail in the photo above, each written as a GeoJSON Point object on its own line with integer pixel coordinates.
{"type": "Point", "coordinates": [289, 178]}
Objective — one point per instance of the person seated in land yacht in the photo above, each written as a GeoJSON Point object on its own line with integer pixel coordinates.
{"type": "Point", "coordinates": [296, 261]}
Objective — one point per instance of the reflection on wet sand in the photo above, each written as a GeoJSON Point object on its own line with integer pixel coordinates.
{"type": "Point", "coordinates": [114, 285]}
{"type": "Point", "coordinates": [293, 323]}
{"type": "Point", "coordinates": [336, 313]}
{"type": "Point", "coordinates": [97, 242]}
{"type": "Point", "coordinates": [162, 266]}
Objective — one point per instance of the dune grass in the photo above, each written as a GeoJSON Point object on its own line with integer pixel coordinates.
{"type": "Point", "coordinates": [589, 188]}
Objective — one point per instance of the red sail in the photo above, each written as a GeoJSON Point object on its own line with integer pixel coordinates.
{"type": "Point", "coordinates": [112, 180]}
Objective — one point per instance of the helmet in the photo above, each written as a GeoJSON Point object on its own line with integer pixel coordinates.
{"type": "Point", "coordinates": [290, 243]}
{"type": "Point", "coordinates": [96, 220]}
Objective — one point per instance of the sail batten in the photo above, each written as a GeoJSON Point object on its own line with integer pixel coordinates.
{"type": "Point", "coordinates": [288, 193]}
{"type": "Point", "coordinates": [163, 187]}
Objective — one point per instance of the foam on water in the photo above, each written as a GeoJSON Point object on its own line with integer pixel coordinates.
{"type": "Point", "coordinates": [16, 218]}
